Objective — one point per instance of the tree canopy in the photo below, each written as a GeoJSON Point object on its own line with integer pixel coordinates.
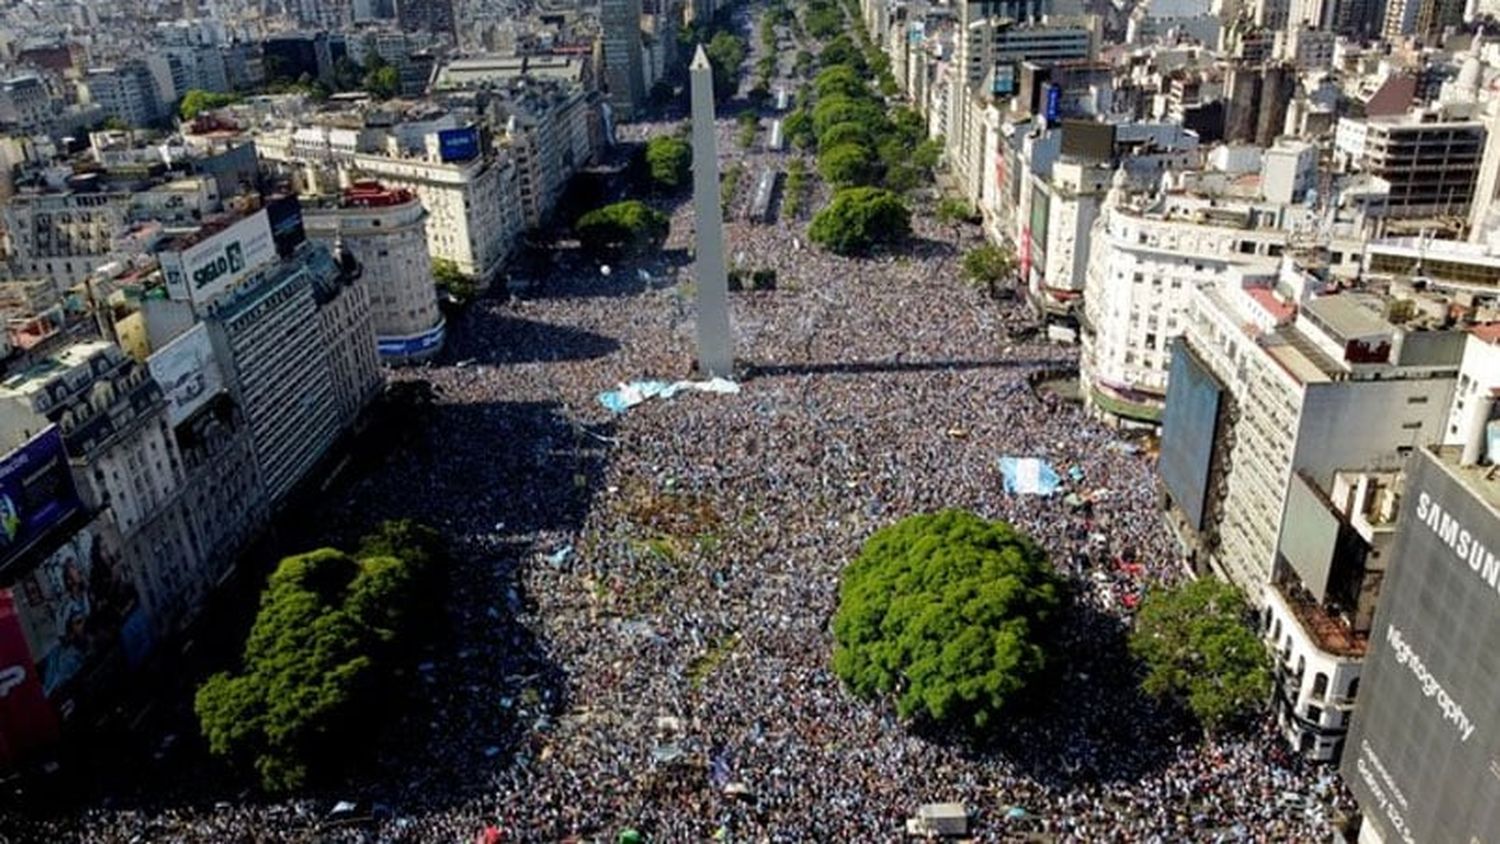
{"type": "Point", "coordinates": [196, 101]}
{"type": "Point", "coordinates": [381, 79]}
{"type": "Point", "coordinates": [669, 162]}
{"type": "Point", "coordinates": [1196, 641]}
{"type": "Point", "coordinates": [990, 267]}
{"type": "Point", "coordinates": [330, 629]}
{"type": "Point", "coordinates": [629, 227]}
{"type": "Point", "coordinates": [860, 218]}
{"type": "Point", "coordinates": [726, 53]}
{"type": "Point", "coordinates": [945, 613]}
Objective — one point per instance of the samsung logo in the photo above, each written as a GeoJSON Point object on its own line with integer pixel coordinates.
{"type": "Point", "coordinates": [1481, 560]}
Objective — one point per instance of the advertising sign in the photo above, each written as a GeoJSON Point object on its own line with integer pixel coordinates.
{"type": "Point", "coordinates": [1004, 84]}
{"type": "Point", "coordinates": [458, 144]}
{"type": "Point", "coordinates": [1054, 103]}
{"type": "Point", "coordinates": [27, 721]}
{"type": "Point", "coordinates": [187, 372]}
{"type": "Point", "coordinates": [213, 265]}
{"type": "Point", "coordinates": [73, 605]}
{"type": "Point", "coordinates": [284, 215]}
{"type": "Point", "coordinates": [36, 492]}
{"type": "Point", "coordinates": [411, 344]}
{"type": "Point", "coordinates": [1188, 426]}
{"type": "Point", "coordinates": [1424, 746]}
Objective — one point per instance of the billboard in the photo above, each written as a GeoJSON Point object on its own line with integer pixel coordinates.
{"type": "Point", "coordinates": [1089, 140]}
{"type": "Point", "coordinates": [187, 372]}
{"type": "Point", "coordinates": [1053, 109]}
{"type": "Point", "coordinates": [36, 492]}
{"type": "Point", "coordinates": [74, 605]}
{"type": "Point", "coordinates": [1188, 425]}
{"type": "Point", "coordinates": [1004, 82]}
{"type": "Point", "coordinates": [1309, 535]}
{"type": "Point", "coordinates": [412, 344]}
{"type": "Point", "coordinates": [27, 720]}
{"type": "Point", "coordinates": [284, 215]}
{"type": "Point", "coordinates": [458, 144]}
{"type": "Point", "coordinates": [1424, 747]}
{"type": "Point", "coordinates": [209, 267]}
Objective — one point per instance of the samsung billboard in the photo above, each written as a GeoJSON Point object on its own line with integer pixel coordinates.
{"type": "Point", "coordinates": [1188, 426]}
{"type": "Point", "coordinates": [458, 144]}
{"type": "Point", "coordinates": [203, 270]}
{"type": "Point", "coordinates": [1424, 747]}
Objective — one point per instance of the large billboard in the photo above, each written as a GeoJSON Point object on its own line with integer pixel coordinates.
{"type": "Point", "coordinates": [27, 720]}
{"type": "Point", "coordinates": [187, 372]}
{"type": "Point", "coordinates": [1424, 747]}
{"type": "Point", "coordinates": [458, 144]}
{"type": "Point", "coordinates": [1188, 426]}
{"type": "Point", "coordinates": [36, 492]}
{"type": "Point", "coordinates": [207, 268]}
{"type": "Point", "coordinates": [76, 606]}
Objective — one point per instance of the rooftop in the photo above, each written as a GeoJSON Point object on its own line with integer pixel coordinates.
{"type": "Point", "coordinates": [33, 377]}
{"type": "Point", "coordinates": [1348, 315]}
{"type": "Point", "coordinates": [1482, 481]}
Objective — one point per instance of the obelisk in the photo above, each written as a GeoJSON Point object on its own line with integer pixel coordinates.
{"type": "Point", "coordinates": [714, 355]}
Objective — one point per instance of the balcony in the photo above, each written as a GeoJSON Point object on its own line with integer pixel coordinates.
{"type": "Point", "coordinates": [1329, 632]}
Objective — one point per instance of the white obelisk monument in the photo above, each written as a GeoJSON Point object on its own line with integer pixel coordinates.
{"type": "Point", "coordinates": [714, 355]}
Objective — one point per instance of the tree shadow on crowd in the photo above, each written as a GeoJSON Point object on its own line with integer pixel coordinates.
{"type": "Point", "coordinates": [487, 477]}
{"type": "Point", "coordinates": [1087, 721]}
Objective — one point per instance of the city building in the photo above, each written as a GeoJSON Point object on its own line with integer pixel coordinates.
{"type": "Point", "coordinates": [624, 74]}
{"type": "Point", "coordinates": [1431, 162]}
{"type": "Point", "coordinates": [1425, 736]}
{"type": "Point", "coordinates": [1146, 259]}
{"type": "Point", "coordinates": [384, 230]}
{"type": "Point", "coordinates": [1278, 381]}
{"type": "Point", "coordinates": [127, 93]}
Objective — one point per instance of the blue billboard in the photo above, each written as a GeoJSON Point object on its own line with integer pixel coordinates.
{"type": "Point", "coordinates": [36, 492]}
{"type": "Point", "coordinates": [458, 144]}
{"type": "Point", "coordinates": [412, 345]}
{"type": "Point", "coordinates": [1054, 103]}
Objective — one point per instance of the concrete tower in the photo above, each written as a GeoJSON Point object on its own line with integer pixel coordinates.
{"type": "Point", "coordinates": [714, 354]}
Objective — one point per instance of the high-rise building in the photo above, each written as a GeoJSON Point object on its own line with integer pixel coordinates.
{"type": "Point", "coordinates": [385, 231]}
{"type": "Point", "coordinates": [1426, 734]}
{"type": "Point", "coordinates": [624, 76]}
{"type": "Point", "coordinates": [434, 16]}
{"type": "Point", "coordinates": [126, 92]}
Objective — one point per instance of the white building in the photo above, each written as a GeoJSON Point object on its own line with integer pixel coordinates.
{"type": "Point", "coordinates": [386, 232]}
{"type": "Point", "coordinates": [1146, 259]}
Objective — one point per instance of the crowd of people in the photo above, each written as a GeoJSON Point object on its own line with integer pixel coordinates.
{"type": "Point", "coordinates": [639, 630]}
{"type": "Point", "coordinates": [640, 617]}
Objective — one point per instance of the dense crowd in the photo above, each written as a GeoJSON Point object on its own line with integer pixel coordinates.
{"type": "Point", "coordinates": [640, 627]}
{"type": "Point", "coordinates": [639, 630]}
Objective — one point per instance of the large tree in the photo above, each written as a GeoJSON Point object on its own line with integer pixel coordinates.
{"type": "Point", "coordinates": [848, 164]}
{"type": "Point", "coordinates": [330, 629]}
{"type": "Point", "coordinates": [629, 227]}
{"type": "Point", "coordinates": [1198, 644]}
{"type": "Point", "coordinates": [945, 613]}
{"type": "Point", "coordinates": [726, 54]}
{"type": "Point", "coordinates": [669, 161]}
{"type": "Point", "coordinates": [860, 218]}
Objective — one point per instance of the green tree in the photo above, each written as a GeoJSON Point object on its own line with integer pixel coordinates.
{"type": "Point", "coordinates": [196, 101]}
{"type": "Point", "coordinates": [798, 128]}
{"type": "Point", "coordinates": [847, 164]}
{"type": "Point", "coordinates": [447, 276]}
{"type": "Point", "coordinates": [945, 613]}
{"type": "Point", "coordinates": [838, 109]}
{"type": "Point", "coordinates": [1197, 642]}
{"type": "Point", "coordinates": [839, 81]}
{"type": "Point", "coordinates": [843, 51]}
{"type": "Point", "coordinates": [726, 53]}
{"type": "Point", "coordinates": [990, 267]}
{"type": "Point", "coordinates": [629, 227]}
{"type": "Point", "coordinates": [669, 160]}
{"type": "Point", "coordinates": [330, 629]}
{"type": "Point", "coordinates": [860, 218]}
{"type": "Point", "coordinates": [382, 81]}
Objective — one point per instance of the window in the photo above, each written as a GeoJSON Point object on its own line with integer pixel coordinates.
{"type": "Point", "coordinates": [1416, 399]}
{"type": "Point", "coordinates": [1320, 685]}
{"type": "Point", "coordinates": [1411, 426]}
